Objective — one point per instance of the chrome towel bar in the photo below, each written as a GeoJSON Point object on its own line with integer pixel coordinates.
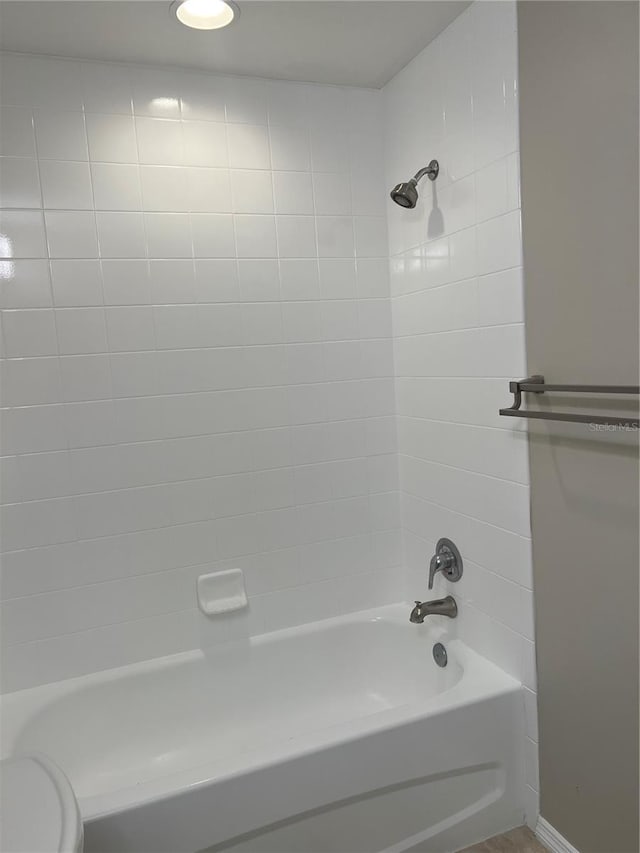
{"type": "Point", "coordinates": [537, 385]}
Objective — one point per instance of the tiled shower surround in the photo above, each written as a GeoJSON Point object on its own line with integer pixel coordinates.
{"type": "Point", "coordinates": [199, 335]}
{"type": "Point", "coordinates": [199, 366]}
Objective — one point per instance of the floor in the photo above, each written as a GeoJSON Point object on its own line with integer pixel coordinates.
{"type": "Point", "coordinates": [520, 840]}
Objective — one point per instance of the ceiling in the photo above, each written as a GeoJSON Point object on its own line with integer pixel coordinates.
{"type": "Point", "coordinates": [349, 42]}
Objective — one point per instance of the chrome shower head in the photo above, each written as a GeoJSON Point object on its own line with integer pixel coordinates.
{"type": "Point", "coordinates": [406, 193]}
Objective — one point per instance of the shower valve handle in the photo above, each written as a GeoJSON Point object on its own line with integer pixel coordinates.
{"type": "Point", "coordinates": [447, 560]}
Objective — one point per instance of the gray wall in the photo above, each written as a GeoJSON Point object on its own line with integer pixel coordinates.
{"type": "Point", "coordinates": [579, 149]}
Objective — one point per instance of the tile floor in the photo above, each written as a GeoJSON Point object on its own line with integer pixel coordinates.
{"type": "Point", "coordinates": [520, 840]}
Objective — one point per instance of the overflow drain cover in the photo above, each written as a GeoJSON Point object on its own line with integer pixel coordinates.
{"type": "Point", "coordinates": [440, 654]}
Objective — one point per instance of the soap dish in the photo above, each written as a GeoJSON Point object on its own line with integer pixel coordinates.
{"type": "Point", "coordinates": [222, 592]}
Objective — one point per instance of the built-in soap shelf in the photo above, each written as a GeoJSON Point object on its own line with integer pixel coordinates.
{"type": "Point", "coordinates": [222, 592]}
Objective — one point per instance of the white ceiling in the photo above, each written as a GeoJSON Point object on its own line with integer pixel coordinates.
{"type": "Point", "coordinates": [349, 42]}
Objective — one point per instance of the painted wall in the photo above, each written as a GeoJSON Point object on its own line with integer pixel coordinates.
{"type": "Point", "coordinates": [456, 286]}
{"type": "Point", "coordinates": [198, 367]}
{"type": "Point", "coordinates": [581, 274]}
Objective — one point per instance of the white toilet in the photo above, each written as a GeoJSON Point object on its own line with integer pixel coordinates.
{"type": "Point", "coordinates": [38, 809]}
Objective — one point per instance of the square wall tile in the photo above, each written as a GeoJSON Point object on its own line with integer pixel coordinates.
{"type": "Point", "coordinates": [370, 236]}
{"type": "Point", "coordinates": [302, 322]}
{"type": "Point", "coordinates": [293, 192]}
{"type": "Point", "coordinates": [159, 141]}
{"type": "Point", "coordinates": [329, 149]}
{"type": "Point", "coordinates": [335, 237]}
{"type": "Point", "coordinates": [217, 279]}
{"type": "Point", "coordinates": [501, 297]}
{"type": "Point", "coordinates": [71, 234]}
{"type": "Point", "coordinates": [22, 234]}
{"type": "Point", "coordinates": [24, 284]}
{"type": "Point", "coordinates": [60, 135]}
{"type": "Point", "coordinates": [66, 185]}
{"type": "Point", "coordinates": [205, 143]}
{"type": "Point", "coordinates": [248, 146]}
{"type": "Point", "coordinates": [332, 194]}
{"type": "Point", "coordinates": [112, 138]}
{"type": "Point", "coordinates": [372, 277]}
{"type": "Point", "coordinates": [30, 381]}
{"type": "Point", "coordinates": [209, 190]}
{"type": "Point", "coordinates": [492, 194]}
{"type": "Point", "coordinates": [134, 374]}
{"type": "Point", "coordinates": [172, 281]}
{"type": "Point", "coordinates": [262, 324]}
{"type": "Point", "coordinates": [35, 523]}
{"type": "Point", "coordinates": [16, 132]}
{"type": "Point", "coordinates": [76, 283]}
{"type": "Point", "coordinates": [156, 92]}
{"type": "Point", "coordinates": [213, 235]}
{"type": "Point", "coordinates": [29, 333]}
{"type": "Point", "coordinates": [299, 279]}
{"type": "Point", "coordinates": [290, 148]}
{"type": "Point", "coordinates": [106, 88]}
{"type": "Point", "coordinates": [252, 191]}
{"type": "Point", "coordinates": [33, 429]}
{"type": "Point", "coordinates": [81, 330]}
{"type": "Point", "coordinates": [259, 280]}
{"type": "Point", "coordinates": [19, 184]}
{"type": "Point", "coordinates": [338, 278]}
{"type": "Point", "coordinates": [287, 104]}
{"type": "Point", "coordinates": [126, 282]}
{"type": "Point", "coordinates": [203, 98]}
{"type": "Point", "coordinates": [499, 243]}
{"type": "Point", "coordinates": [255, 236]}
{"type": "Point", "coordinates": [116, 186]}
{"type": "Point", "coordinates": [296, 237]}
{"type": "Point", "coordinates": [86, 377]}
{"type": "Point", "coordinates": [130, 328]}
{"type": "Point", "coordinates": [121, 235]}
{"type": "Point", "coordinates": [246, 100]}
{"type": "Point", "coordinates": [164, 188]}
{"type": "Point", "coordinates": [168, 235]}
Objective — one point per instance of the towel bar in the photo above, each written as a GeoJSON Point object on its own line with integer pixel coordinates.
{"type": "Point", "coordinates": [537, 385]}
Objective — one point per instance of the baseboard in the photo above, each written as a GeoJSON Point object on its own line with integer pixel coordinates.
{"type": "Point", "coordinates": [552, 839]}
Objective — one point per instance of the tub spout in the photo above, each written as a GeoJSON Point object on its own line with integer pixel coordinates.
{"type": "Point", "coordinates": [438, 607]}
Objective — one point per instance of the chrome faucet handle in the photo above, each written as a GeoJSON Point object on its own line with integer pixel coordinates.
{"type": "Point", "coordinates": [447, 560]}
{"type": "Point", "coordinates": [439, 563]}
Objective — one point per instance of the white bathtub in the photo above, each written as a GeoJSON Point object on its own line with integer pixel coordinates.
{"type": "Point", "coordinates": [341, 736]}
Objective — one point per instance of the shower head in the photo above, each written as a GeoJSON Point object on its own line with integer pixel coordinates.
{"type": "Point", "coordinates": [406, 193]}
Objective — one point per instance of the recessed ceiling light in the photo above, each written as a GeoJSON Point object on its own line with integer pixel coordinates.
{"type": "Point", "coordinates": [205, 14]}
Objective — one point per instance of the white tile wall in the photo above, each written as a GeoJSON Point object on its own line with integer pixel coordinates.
{"type": "Point", "coordinates": [198, 364]}
{"type": "Point", "coordinates": [458, 330]}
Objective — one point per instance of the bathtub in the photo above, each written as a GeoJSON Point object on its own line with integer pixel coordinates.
{"type": "Point", "coordinates": [341, 736]}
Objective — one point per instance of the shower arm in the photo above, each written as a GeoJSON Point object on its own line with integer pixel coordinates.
{"type": "Point", "coordinates": [431, 171]}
